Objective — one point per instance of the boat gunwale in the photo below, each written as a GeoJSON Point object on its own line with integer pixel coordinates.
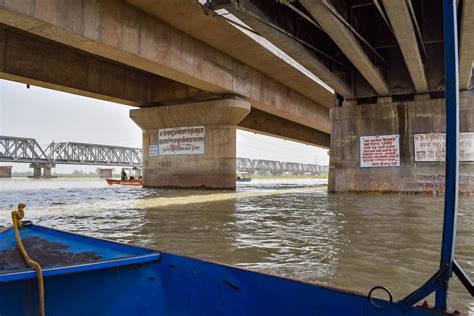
{"type": "Point", "coordinates": [53, 271]}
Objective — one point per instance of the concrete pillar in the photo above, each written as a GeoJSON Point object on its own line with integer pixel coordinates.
{"type": "Point", "coordinates": [191, 145]}
{"type": "Point", "coordinates": [36, 172]}
{"type": "Point", "coordinates": [46, 170]}
{"type": "Point", "coordinates": [105, 172]}
{"type": "Point", "coordinates": [5, 171]}
{"type": "Point", "coordinates": [362, 162]}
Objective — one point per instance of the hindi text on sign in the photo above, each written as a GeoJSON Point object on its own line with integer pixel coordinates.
{"type": "Point", "coordinates": [432, 147]}
{"type": "Point", "coordinates": [181, 141]}
{"type": "Point", "coordinates": [380, 151]}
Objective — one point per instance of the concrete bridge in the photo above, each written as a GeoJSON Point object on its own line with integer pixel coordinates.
{"type": "Point", "coordinates": [198, 70]}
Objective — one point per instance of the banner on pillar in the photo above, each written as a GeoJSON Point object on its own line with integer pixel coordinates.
{"type": "Point", "coordinates": [188, 140]}
{"type": "Point", "coordinates": [432, 147]}
{"type": "Point", "coordinates": [380, 151]}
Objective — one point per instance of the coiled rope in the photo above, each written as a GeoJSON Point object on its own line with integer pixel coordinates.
{"type": "Point", "coordinates": [17, 216]}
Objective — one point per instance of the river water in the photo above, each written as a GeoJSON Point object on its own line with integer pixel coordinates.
{"type": "Point", "coordinates": [288, 227]}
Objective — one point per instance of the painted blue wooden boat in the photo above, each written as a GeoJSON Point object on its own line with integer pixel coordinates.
{"type": "Point", "coordinates": [88, 276]}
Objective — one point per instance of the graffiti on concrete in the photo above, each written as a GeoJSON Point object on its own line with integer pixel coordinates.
{"type": "Point", "coordinates": [432, 147]}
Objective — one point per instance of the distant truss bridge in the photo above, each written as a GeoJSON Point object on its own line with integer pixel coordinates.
{"type": "Point", "coordinates": [27, 150]}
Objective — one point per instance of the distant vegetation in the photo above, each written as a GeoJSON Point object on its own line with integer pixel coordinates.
{"type": "Point", "coordinates": [291, 176]}
{"type": "Point", "coordinates": [75, 174]}
{"type": "Point", "coordinates": [22, 173]}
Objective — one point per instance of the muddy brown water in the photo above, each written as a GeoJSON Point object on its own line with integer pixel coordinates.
{"type": "Point", "coordinates": [288, 227]}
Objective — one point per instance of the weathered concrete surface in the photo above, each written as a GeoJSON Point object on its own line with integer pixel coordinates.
{"type": "Point", "coordinates": [264, 123]}
{"type": "Point", "coordinates": [216, 169]}
{"type": "Point", "coordinates": [187, 16]}
{"type": "Point", "coordinates": [348, 43]}
{"type": "Point", "coordinates": [466, 44]}
{"type": "Point", "coordinates": [105, 172]}
{"type": "Point", "coordinates": [42, 170]}
{"type": "Point", "coordinates": [28, 59]}
{"type": "Point", "coordinates": [5, 171]}
{"type": "Point", "coordinates": [123, 33]}
{"type": "Point", "coordinates": [402, 25]}
{"type": "Point", "coordinates": [294, 49]}
{"type": "Point", "coordinates": [406, 119]}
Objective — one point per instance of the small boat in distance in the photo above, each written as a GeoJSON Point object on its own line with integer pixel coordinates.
{"type": "Point", "coordinates": [134, 182]}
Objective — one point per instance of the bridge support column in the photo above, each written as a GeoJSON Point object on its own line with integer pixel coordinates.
{"type": "Point", "coordinates": [46, 167]}
{"type": "Point", "coordinates": [5, 171]}
{"type": "Point", "coordinates": [36, 172]}
{"type": "Point", "coordinates": [394, 147]}
{"type": "Point", "coordinates": [191, 145]}
{"type": "Point", "coordinates": [105, 172]}
{"type": "Point", "coordinates": [47, 172]}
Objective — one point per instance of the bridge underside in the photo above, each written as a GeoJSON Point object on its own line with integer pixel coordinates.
{"type": "Point", "coordinates": [114, 51]}
{"type": "Point", "coordinates": [165, 56]}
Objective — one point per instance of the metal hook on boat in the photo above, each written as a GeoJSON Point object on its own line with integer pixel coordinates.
{"type": "Point", "coordinates": [377, 305]}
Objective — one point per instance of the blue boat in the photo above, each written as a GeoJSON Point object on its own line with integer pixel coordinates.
{"type": "Point", "coordinates": [51, 272]}
{"type": "Point", "coordinates": [89, 276]}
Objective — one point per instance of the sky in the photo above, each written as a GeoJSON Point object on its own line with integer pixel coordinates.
{"type": "Point", "coordinates": [49, 115]}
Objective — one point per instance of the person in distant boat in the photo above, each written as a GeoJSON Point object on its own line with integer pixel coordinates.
{"type": "Point", "coordinates": [131, 178]}
{"type": "Point", "coordinates": [124, 175]}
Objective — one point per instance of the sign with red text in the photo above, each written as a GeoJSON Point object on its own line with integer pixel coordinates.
{"type": "Point", "coordinates": [188, 140]}
{"type": "Point", "coordinates": [432, 147]}
{"type": "Point", "coordinates": [380, 151]}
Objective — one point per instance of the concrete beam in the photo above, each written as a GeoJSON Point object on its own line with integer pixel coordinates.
{"type": "Point", "coordinates": [34, 60]}
{"type": "Point", "coordinates": [466, 49]}
{"type": "Point", "coordinates": [248, 13]}
{"type": "Point", "coordinates": [404, 30]}
{"type": "Point", "coordinates": [347, 42]}
{"type": "Point", "coordinates": [271, 125]}
{"type": "Point", "coordinates": [121, 32]}
{"type": "Point", "coordinates": [187, 16]}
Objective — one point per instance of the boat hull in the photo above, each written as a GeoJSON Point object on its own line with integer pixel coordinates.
{"type": "Point", "coordinates": [124, 182]}
{"type": "Point", "coordinates": [152, 283]}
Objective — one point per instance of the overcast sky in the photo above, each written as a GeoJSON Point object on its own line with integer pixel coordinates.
{"type": "Point", "coordinates": [49, 115]}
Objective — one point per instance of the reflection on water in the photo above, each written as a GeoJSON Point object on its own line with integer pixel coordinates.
{"type": "Point", "coordinates": [286, 227]}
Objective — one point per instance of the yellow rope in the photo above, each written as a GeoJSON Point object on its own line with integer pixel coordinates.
{"type": "Point", "coordinates": [17, 216]}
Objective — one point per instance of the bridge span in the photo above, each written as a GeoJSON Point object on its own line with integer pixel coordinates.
{"type": "Point", "coordinates": [27, 150]}
{"type": "Point", "coordinates": [363, 78]}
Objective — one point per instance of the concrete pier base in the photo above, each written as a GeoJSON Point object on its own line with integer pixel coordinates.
{"type": "Point", "coordinates": [42, 170]}
{"type": "Point", "coordinates": [210, 163]}
{"type": "Point", "coordinates": [105, 172]}
{"type": "Point", "coordinates": [5, 171]}
{"type": "Point", "coordinates": [419, 126]}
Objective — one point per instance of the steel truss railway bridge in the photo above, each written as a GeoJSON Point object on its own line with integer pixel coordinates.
{"type": "Point", "coordinates": [27, 150]}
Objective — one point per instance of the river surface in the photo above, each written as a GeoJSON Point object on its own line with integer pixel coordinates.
{"type": "Point", "coordinates": [288, 227]}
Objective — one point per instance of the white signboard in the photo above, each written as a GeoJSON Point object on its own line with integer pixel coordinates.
{"type": "Point", "coordinates": [152, 150]}
{"type": "Point", "coordinates": [432, 147]}
{"type": "Point", "coordinates": [181, 141]}
{"type": "Point", "coordinates": [380, 151]}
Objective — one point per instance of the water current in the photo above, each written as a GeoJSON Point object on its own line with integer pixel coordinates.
{"type": "Point", "coordinates": [287, 227]}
